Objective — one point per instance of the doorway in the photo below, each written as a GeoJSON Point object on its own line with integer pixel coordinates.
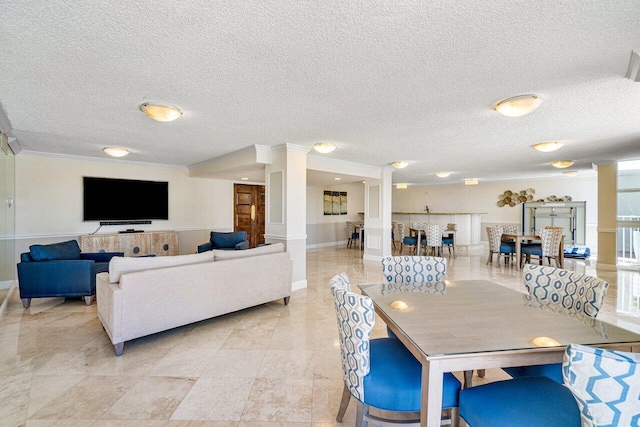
{"type": "Point", "coordinates": [249, 211]}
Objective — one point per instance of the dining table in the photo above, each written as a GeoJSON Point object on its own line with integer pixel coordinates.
{"type": "Point", "coordinates": [460, 326]}
{"type": "Point", "coordinates": [519, 239]}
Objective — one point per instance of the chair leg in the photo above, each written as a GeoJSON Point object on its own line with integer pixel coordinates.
{"type": "Point", "coordinates": [481, 373]}
{"type": "Point", "coordinates": [26, 302]}
{"type": "Point", "coordinates": [88, 299]}
{"type": "Point", "coordinates": [455, 417]}
{"type": "Point", "coordinates": [490, 260]}
{"type": "Point", "coordinates": [361, 415]}
{"type": "Point", "coordinates": [344, 403]}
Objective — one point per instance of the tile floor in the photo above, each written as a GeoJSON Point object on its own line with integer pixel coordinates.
{"type": "Point", "coordinates": [265, 366]}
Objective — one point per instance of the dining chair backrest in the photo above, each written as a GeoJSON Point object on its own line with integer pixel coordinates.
{"type": "Point", "coordinates": [509, 229]}
{"type": "Point", "coordinates": [605, 384]}
{"type": "Point", "coordinates": [351, 229]}
{"type": "Point", "coordinates": [550, 241]}
{"type": "Point", "coordinates": [401, 231]}
{"type": "Point", "coordinates": [578, 292]}
{"type": "Point", "coordinates": [419, 225]}
{"type": "Point", "coordinates": [355, 317]}
{"type": "Point", "coordinates": [434, 234]}
{"type": "Point", "coordinates": [494, 235]}
{"type": "Point", "coordinates": [340, 281]}
{"type": "Point", "coordinates": [409, 269]}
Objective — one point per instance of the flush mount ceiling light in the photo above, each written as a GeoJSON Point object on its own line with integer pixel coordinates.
{"type": "Point", "coordinates": [547, 147]}
{"type": "Point", "coordinates": [337, 179]}
{"type": "Point", "coordinates": [561, 164]}
{"type": "Point", "coordinates": [324, 147]}
{"type": "Point", "coordinates": [400, 164]}
{"type": "Point", "coordinates": [244, 179]}
{"type": "Point", "coordinates": [401, 186]}
{"type": "Point", "coordinates": [443, 174]}
{"type": "Point", "coordinates": [517, 106]}
{"type": "Point", "coordinates": [161, 113]}
{"type": "Point", "coordinates": [471, 181]}
{"type": "Point", "coordinates": [570, 173]}
{"type": "Point", "coordinates": [116, 151]}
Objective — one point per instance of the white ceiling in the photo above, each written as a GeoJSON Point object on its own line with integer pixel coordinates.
{"type": "Point", "coordinates": [385, 80]}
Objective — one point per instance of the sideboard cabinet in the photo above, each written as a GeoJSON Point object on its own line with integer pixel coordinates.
{"type": "Point", "coordinates": [160, 243]}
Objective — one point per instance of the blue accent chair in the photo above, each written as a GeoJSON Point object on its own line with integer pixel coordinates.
{"type": "Point", "coordinates": [60, 270]}
{"type": "Point", "coordinates": [521, 402]}
{"type": "Point", "coordinates": [379, 373]}
{"type": "Point", "coordinates": [235, 240]}
{"type": "Point", "coordinates": [574, 292]}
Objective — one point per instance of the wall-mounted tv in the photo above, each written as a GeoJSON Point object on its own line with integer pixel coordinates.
{"type": "Point", "coordinates": [109, 199]}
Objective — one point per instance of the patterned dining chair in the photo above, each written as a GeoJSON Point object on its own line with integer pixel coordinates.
{"type": "Point", "coordinates": [605, 384]}
{"type": "Point", "coordinates": [351, 234]}
{"type": "Point", "coordinates": [409, 269]}
{"type": "Point", "coordinates": [409, 241]}
{"type": "Point", "coordinates": [548, 248]}
{"type": "Point", "coordinates": [497, 246]}
{"type": "Point", "coordinates": [393, 234]}
{"type": "Point", "coordinates": [575, 292]}
{"type": "Point", "coordinates": [433, 239]}
{"type": "Point", "coordinates": [379, 373]}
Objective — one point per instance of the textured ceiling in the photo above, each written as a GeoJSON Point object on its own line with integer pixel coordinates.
{"type": "Point", "coordinates": [386, 80]}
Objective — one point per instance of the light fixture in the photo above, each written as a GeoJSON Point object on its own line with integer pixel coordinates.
{"type": "Point", "coordinates": [471, 181]}
{"type": "Point", "coordinates": [244, 179]}
{"type": "Point", "coordinates": [399, 305]}
{"type": "Point", "coordinates": [547, 147]}
{"type": "Point", "coordinates": [517, 106]}
{"type": "Point", "coordinates": [337, 179]}
{"type": "Point", "coordinates": [116, 151]}
{"type": "Point", "coordinates": [545, 342]}
{"type": "Point", "coordinates": [561, 164]}
{"type": "Point", "coordinates": [324, 147]}
{"type": "Point", "coordinates": [401, 186]}
{"type": "Point", "coordinates": [161, 113]}
{"type": "Point", "coordinates": [633, 72]}
{"type": "Point", "coordinates": [443, 174]}
{"type": "Point", "coordinates": [570, 173]}
{"type": "Point", "coordinates": [400, 164]}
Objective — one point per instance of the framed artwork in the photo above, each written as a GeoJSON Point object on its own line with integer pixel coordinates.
{"type": "Point", "coordinates": [334, 202]}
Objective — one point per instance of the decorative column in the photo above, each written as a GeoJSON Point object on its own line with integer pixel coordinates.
{"type": "Point", "coordinates": [607, 217]}
{"type": "Point", "coordinates": [377, 216]}
{"type": "Point", "coordinates": [286, 205]}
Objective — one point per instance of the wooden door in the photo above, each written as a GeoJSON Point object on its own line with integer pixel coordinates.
{"type": "Point", "coordinates": [249, 212]}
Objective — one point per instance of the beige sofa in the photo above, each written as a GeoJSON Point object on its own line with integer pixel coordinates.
{"type": "Point", "coordinates": [143, 296]}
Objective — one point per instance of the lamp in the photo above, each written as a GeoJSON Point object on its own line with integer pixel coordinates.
{"type": "Point", "coordinates": [400, 164]}
{"type": "Point", "coordinates": [562, 163]}
{"type": "Point", "coordinates": [517, 106]}
{"type": "Point", "coordinates": [471, 181]}
{"type": "Point", "coordinates": [442, 174]}
{"type": "Point", "coordinates": [547, 147]}
{"type": "Point", "coordinates": [116, 151]}
{"type": "Point", "coordinates": [324, 147]}
{"type": "Point", "coordinates": [570, 173]}
{"type": "Point", "coordinates": [161, 113]}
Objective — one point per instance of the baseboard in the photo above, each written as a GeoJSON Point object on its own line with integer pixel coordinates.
{"type": "Point", "coordinates": [327, 244]}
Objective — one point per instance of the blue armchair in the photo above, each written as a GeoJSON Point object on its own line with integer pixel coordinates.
{"type": "Point", "coordinates": [236, 240]}
{"type": "Point", "coordinates": [60, 270]}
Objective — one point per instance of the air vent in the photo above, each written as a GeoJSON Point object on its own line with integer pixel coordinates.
{"type": "Point", "coordinates": [634, 67]}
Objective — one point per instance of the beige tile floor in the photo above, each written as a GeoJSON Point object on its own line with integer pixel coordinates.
{"type": "Point", "coordinates": [265, 366]}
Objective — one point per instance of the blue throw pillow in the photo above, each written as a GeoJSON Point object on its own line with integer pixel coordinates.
{"type": "Point", "coordinates": [57, 251]}
{"type": "Point", "coordinates": [227, 240]}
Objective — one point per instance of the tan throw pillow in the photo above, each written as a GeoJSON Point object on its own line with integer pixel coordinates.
{"type": "Point", "coordinates": [121, 265]}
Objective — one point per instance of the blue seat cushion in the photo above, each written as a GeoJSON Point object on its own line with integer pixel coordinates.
{"type": "Point", "coordinates": [553, 371]}
{"type": "Point", "coordinates": [393, 382]}
{"type": "Point", "coordinates": [521, 402]}
{"type": "Point", "coordinates": [532, 250]}
{"type": "Point", "coordinates": [507, 248]}
{"type": "Point", "coordinates": [227, 240]}
{"type": "Point", "coordinates": [447, 240]}
{"type": "Point", "coordinates": [58, 251]}
{"type": "Point", "coordinates": [409, 241]}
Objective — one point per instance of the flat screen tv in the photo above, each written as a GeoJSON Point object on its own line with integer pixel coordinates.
{"type": "Point", "coordinates": [108, 199]}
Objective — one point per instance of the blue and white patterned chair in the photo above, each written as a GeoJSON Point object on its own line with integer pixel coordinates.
{"type": "Point", "coordinates": [549, 247]}
{"type": "Point", "coordinates": [433, 239]}
{"type": "Point", "coordinates": [408, 269]}
{"type": "Point", "coordinates": [605, 384]}
{"type": "Point", "coordinates": [379, 373]}
{"type": "Point", "coordinates": [573, 291]}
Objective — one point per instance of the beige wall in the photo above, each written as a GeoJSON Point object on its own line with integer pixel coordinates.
{"type": "Point", "coordinates": [49, 200]}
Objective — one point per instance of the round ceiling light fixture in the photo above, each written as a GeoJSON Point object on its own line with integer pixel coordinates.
{"type": "Point", "coordinates": [547, 147]}
{"type": "Point", "coordinates": [570, 173]}
{"type": "Point", "coordinates": [561, 164]}
{"type": "Point", "coordinates": [443, 174]}
{"type": "Point", "coordinates": [517, 106]}
{"type": "Point", "coordinates": [116, 151]}
{"type": "Point", "coordinates": [161, 113]}
{"type": "Point", "coordinates": [402, 186]}
{"type": "Point", "coordinates": [471, 181]}
{"type": "Point", "coordinates": [324, 147]}
{"type": "Point", "coordinates": [400, 164]}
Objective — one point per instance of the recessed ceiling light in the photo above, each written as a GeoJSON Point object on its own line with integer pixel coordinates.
{"type": "Point", "coordinates": [324, 147]}
{"type": "Point", "coordinates": [443, 174]}
{"type": "Point", "coordinates": [471, 181]}
{"type": "Point", "coordinates": [400, 164]}
{"type": "Point", "coordinates": [401, 186]}
{"type": "Point", "coordinates": [570, 173]}
{"type": "Point", "coordinates": [337, 179]}
{"type": "Point", "coordinates": [161, 113]}
{"type": "Point", "coordinates": [517, 106]}
{"type": "Point", "coordinates": [116, 151]}
{"type": "Point", "coordinates": [547, 147]}
{"type": "Point", "coordinates": [244, 179]}
{"type": "Point", "coordinates": [562, 163]}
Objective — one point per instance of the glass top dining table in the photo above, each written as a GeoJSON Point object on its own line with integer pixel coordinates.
{"type": "Point", "coordinates": [477, 324]}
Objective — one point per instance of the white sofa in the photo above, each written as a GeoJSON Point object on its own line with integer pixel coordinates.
{"type": "Point", "coordinates": [143, 296]}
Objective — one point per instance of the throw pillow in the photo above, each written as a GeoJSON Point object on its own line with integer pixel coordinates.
{"type": "Point", "coordinates": [58, 251]}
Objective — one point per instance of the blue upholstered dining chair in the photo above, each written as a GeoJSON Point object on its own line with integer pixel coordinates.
{"type": "Point", "coordinates": [379, 373]}
{"type": "Point", "coordinates": [497, 246]}
{"type": "Point", "coordinates": [548, 248]}
{"type": "Point", "coordinates": [407, 269]}
{"type": "Point", "coordinates": [574, 292]}
{"type": "Point", "coordinates": [605, 384]}
{"type": "Point", "coordinates": [352, 236]}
